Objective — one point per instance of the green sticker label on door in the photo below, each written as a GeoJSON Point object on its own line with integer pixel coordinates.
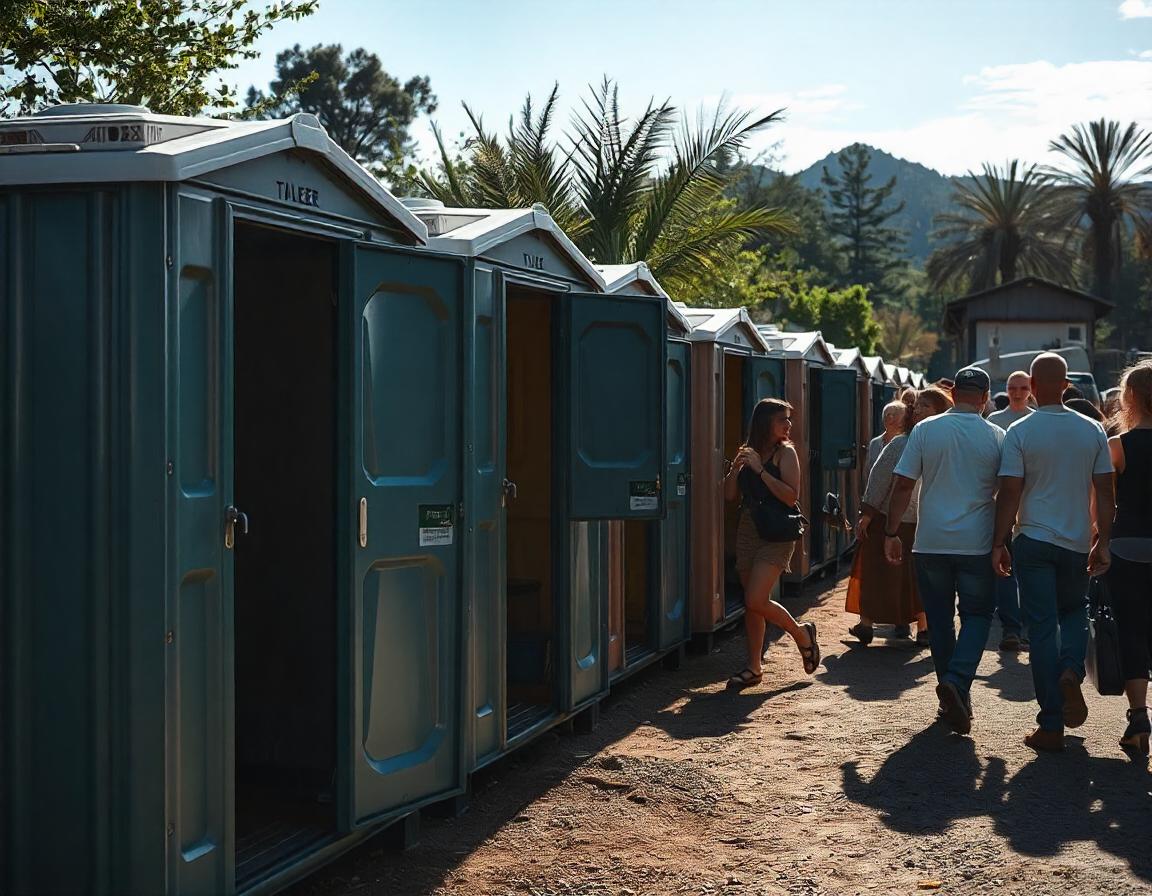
{"type": "Point", "coordinates": [681, 484]}
{"type": "Point", "coordinates": [436, 524]}
{"type": "Point", "coordinates": [643, 495]}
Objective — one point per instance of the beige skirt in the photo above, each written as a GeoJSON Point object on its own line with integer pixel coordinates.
{"type": "Point", "coordinates": [752, 549]}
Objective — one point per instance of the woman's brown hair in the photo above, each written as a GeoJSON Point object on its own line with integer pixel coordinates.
{"type": "Point", "coordinates": [940, 400]}
{"type": "Point", "coordinates": [760, 426]}
{"type": "Point", "coordinates": [1135, 396]}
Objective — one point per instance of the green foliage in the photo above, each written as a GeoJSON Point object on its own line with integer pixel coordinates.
{"type": "Point", "coordinates": [523, 170]}
{"type": "Point", "coordinates": [773, 291]}
{"type": "Point", "coordinates": [364, 109]}
{"type": "Point", "coordinates": [615, 190]}
{"type": "Point", "coordinates": [1010, 224]}
{"type": "Point", "coordinates": [859, 218]}
{"type": "Point", "coordinates": [1107, 188]}
{"type": "Point", "coordinates": [157, 53]}
{"type": "Point", "coordinates": [809, 245]}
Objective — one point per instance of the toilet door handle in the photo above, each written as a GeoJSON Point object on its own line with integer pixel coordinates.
{"type": "Point", "coordinates": [234, 517]}
{"type": "Point", "coordinates": [510, 492]}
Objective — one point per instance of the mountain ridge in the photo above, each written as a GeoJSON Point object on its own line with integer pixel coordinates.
{"type": "Point", "coordinates": [925, 192]}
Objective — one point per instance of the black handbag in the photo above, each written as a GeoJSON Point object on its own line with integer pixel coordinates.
{"type": "Point", "coordinates": [776, 521]}
{"type": "Point", "coordinates": [1102, 661]}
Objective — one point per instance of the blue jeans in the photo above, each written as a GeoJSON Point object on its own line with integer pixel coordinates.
{"type": "Point", "coordinates": [1008, 605]}
{"type": "Point", "coordinates": [1054, 597]}
{"type": "Point", "coordinates": [943, 577]}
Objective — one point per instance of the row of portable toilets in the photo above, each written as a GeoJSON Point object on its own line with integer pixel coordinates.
{"type": "Point", "coordinates": [317, 501]}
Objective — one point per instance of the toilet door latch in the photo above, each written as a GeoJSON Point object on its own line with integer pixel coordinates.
{"type": "Point", "coordinates": [234, 517]}
{"type": "Point", "coordinates": [509, 492]}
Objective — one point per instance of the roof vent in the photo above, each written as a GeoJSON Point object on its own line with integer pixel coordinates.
{"type": "Point", "coordinates": [417, 204]}
{"type": "Point", "coordinates": [67, 109]}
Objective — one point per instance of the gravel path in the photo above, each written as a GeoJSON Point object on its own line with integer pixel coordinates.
{"type": "Point", "coordinates": [836, 784]}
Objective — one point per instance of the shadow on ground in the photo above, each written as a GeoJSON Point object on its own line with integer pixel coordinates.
{"type": "Point", "coordinates": [936, 779]}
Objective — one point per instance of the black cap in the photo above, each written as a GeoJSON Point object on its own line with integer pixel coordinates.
{"type": "Point", "coordinates": [973, 379]}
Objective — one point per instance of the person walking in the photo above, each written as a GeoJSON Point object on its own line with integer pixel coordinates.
{"type": "Point", "coordinates": [1012, 637]}
{"type": "Point", "coordinates": [1130, 576]}
{"type": "Point", "coordinates": [878, 591]}
{"type": "Point", "coordinates": [956, 457]}
{"type": "Point", "coordinates": [894, 416]}
{"type": "Point", "coordinates": [1051, 463]}
{"type": "Point", "coordinates": [766, 468]}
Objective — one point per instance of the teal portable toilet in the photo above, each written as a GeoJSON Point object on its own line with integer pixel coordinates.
{"type": "Point", "coordinates": [231, 541]}
{"type": "Point", "coordinates": [563, 431]}
{"type": "Point", "coordinates": [648, 560]}
{"type": "Point", "coordinates": [731, 371]}
{"type": "Point", "coordinates": [824, 400]}
{"type": "Point", "coordinates": [854, 478]}
{"type": "Point", "coordinates": [877, 382]}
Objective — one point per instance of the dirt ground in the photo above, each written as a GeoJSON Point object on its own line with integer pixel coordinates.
{"type": "Point", "coordinates": [836, 784]}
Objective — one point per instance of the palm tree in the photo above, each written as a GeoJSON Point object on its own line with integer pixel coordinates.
{"type": "Point", "coordinates": [1009, 225]}
{"type": "Point", "coordinates": [1104, 187]}
{"type": "Point", "coordinates": [625, 190]}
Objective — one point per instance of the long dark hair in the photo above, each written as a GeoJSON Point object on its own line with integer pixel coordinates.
{"type": "Point", "coordinates": [760, 426]}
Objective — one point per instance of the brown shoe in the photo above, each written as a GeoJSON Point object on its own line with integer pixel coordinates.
{"type": "Point", "coordinates": [1045, 741]}
{"type": "Point", "coordinates": [1075, 709]}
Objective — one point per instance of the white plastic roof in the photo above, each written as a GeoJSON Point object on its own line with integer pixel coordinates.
{"type": "Point", "coordinates": [710, 325]}
{"type": "Point", "coordinates": [619, 276]}
{"type": "Point", "coordinates": [93, 143]}
{"type": "Point", "coordinates": [875, 365]}
{"type": "Point", "coordinates": [474, 231]}
{"type": "Point", "coordinates": [808, 345]}
{"type": "Point", "coordinates": [850, 357]}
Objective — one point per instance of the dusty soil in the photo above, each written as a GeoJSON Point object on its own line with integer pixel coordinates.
{"type": "Point", "coordinates": [836, 784]}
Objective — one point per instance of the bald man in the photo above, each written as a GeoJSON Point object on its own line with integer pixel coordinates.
{"type": "Point", "coordinates": [1019, 390]}
{"type": "Point", "coordinates": [1007, 593]}
{"type": "Point", "coordinates": [1052, 462]}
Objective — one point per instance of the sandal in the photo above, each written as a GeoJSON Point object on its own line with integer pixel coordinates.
{"type": "Point", "coordinates": [745, 678]}
{"type": "Point", "coordinates": [862, 633]}
{"type": "Point", "coordinates": [811, 653]}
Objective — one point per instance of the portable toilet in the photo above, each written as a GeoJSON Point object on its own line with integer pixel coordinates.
{"type": "Point", "coordinates": [824, 397]}
{"type": "Point", "coordinates": [648, 559]}
{"type": "Point", "coordinates": [731, 371]}
{"type": "Point", "coordinates": [564, 431]}
{"type": "Point", "coordinates": [855, 478]}
{"type": "Point", "coordinates": [895, 381]}
{"type": "Point", "coordinates": [230, 361]}
{"type": "Point", "coordinates": [879, 382]}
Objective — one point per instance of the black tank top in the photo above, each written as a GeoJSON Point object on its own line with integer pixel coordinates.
{"type": "Point", "coordinates": [1134, 487]}
{"type": "Point", "coordinates": [752, 487]}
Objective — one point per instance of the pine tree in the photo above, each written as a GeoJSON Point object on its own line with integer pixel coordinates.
{"type": "Point", "coordinates": [858, 217]}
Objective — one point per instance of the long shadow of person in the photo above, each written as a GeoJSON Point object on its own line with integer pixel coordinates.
{"type": "Point", "coordinates": [875, 673]}
{"type": "Point", "coordinates": [712, 714]}
{"type": "Point", "coordinates": [928, 784]}
{"type": "Point", "coordinates": [1013, 680]}
{"type": "Point", "coordinates": [1059, 799]}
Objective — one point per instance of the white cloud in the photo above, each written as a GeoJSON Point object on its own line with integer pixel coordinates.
{"type": "Point", "coordinates": [1013, 112]}
{"type": "Point", "coordinates": [1136, 9]}
{"type": "Point", "coordinates": [1147, 54]}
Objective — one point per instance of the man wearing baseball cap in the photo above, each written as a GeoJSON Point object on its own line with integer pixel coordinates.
{"type": "Point", "coordinates": [956, 457]}
{"type": "Point", "coordinates": [1052, 460]}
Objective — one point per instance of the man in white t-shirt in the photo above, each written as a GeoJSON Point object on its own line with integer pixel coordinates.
{"type": "Point", "coordinates": [1019, 388]}
{"type": "Point", "coordinates": [956, 457]}
{"type": "Point", "coordinates": [1052, 463]}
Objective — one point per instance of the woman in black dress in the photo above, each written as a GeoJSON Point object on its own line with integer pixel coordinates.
{"type": "Point", "coordinates": [1130, 575]}
{"type": "Point", "coordinates": [766, 467]}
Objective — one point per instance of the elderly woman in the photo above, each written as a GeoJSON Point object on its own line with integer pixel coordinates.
{"type": "Point", "coordinates": [879, 591]}
{"type": "Point", "coordinates": [893, 416]}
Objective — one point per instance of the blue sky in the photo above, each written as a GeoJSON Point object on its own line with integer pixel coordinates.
{"type": "Point", "coordinates": [948, 84]}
